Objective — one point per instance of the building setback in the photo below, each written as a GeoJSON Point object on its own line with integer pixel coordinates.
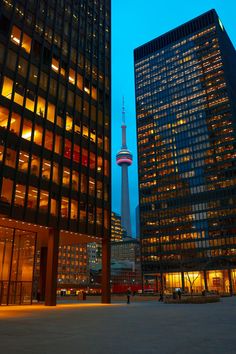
{"type": "Point", "coordinates": [186, 107]}
{"type": "Point", "coordinates": [54, 140]}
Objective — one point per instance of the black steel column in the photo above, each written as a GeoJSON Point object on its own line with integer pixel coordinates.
{"type": "Point", "coordinates": [106, 255]}
{"type": "Point", "coordinates": [52, 262]}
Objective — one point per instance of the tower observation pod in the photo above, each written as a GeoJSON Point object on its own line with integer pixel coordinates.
{"type": "Point", "coordinates": [124, 159]}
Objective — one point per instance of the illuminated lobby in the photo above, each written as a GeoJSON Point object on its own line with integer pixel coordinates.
{"type": "Point", "coordinates": [54, 141]}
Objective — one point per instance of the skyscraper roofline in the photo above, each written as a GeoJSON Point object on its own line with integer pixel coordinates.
{"type": "Point", "coordinates": [177, 33]}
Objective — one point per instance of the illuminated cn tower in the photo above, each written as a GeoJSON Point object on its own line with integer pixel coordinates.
{"type": "Point", "coordinates": [124, 160]}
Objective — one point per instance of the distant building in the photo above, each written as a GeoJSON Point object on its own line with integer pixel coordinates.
{"type": "Point", "coordinates": [73, 268]}
{"type": "Point", "coordinates": [125, 265]}
{"type": "Point", "coordinates": [117, 231]}
{"type": "Point", "coordinates": [186, 122]}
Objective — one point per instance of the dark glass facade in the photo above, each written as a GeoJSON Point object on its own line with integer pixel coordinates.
{"type": "Point", "coordinates": [55, 115]}
{"type": "Point", "coordinates": [186, 107]}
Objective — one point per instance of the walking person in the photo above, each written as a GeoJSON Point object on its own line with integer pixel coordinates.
{"type": "Point", "coordinates": [161, 298]}
{"type": "Point", "coordinates": [128, 295]}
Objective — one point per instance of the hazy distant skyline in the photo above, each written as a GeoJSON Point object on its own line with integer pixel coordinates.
{"type": "Point", "coordinates": [135, 22]}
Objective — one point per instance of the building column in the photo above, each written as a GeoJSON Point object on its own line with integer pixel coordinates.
{"type": "Point", "coordinates": [205, 280]}
{"type": "Point", "coordinates": [106, 256]}
{"type": "Point", "coordinates": [42, 273]}
{"type": "Point", "coordinates": [52, 262]}
{"type": "Point", "coordinates": [230, 283]}
{"type": "Point", "coordinates": [182, 281]}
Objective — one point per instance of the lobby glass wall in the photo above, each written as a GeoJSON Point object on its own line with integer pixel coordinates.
{"type": "Point", "coordinates": [17, 255]}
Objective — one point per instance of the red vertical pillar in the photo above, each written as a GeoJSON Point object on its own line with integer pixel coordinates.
{"type": "Point", "coordinates": [52, 261]}
{"type": "Point", "coordinates": [106, 256]}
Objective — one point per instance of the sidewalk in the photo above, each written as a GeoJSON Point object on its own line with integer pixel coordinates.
{"type": "Point", "coordinates": [141, 327]}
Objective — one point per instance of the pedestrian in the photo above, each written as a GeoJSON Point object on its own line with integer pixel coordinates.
{"type": "Point", "coordinates": [38, 295]}
{"type": "Point", "coordinates": [179, 294]}
{"type": "Point", "coordinates": [161, 297]}
{"type": "Point", "coordinates": [128, 295]}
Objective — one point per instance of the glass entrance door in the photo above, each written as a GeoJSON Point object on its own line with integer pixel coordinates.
{"type": "Point", "coordinates": [17, 259]}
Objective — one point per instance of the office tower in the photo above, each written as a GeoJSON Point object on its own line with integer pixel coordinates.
{"type": "Point", "coordinates": [54, 140]}
{"type": "Point", "coordinates": [124, 160]}
{"type": "Point", "coordinates": [137, 217]}
{"type": "Point", "coordinates": [117, 231]}
{"type": "Point", "coordinates": [186, 109]}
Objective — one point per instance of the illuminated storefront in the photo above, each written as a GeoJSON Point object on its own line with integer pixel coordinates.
{"type": "Point", "coordinates": [54, 133]}
{"type": "Point", "coordinates": [185, 101]}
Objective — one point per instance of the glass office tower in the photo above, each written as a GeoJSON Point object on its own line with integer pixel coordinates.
{"type": "Point", "coordinates": [54, 139]}
{"type": "Point", "coordinates": [186, 124]}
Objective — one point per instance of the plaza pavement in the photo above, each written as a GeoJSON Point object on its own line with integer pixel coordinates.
{"type": "Point", "coordinates": [142, 327]}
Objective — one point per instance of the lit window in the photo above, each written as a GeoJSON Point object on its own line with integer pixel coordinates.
{"type": "Point", "coordinates": [19, 195]}
{"type": "Point", "coordinates": [46, 169]}
{"type": "Point", "coordinates": [74, 209]}
{"type": "Point", "coordinates": [64, 207]}
{"type": "Point", "coordinates": [38, 134]}
{"type": "Point", "coordinates": [53, 209]}
{"type": "Point", "coordinates": [7, 88]}
{"type": "Point", "coordinates": [35, 163]}
{"type": "Point", "coordinates": [51, 112]}
{"type": "Point", "coordinates": [69, 123]}
{"type": "Point", "coordinates": [58, 144]}
{"type": "Point", "coordinates": [66, 177]}
{"type": "Point", "coordinates": [32, 198]}
{"type": "Point", "coordinates": [55, 175]}
{"type": "Point", "coordinates": [10, 159]}
{"type": "Point", "coordinates": [85, 157]}
{"type": "Point", "coordinates": [41, 106]}
{"type": "Point", "coordinates": [43, 203]}
{"type": "Point", "coordinates": [55, 65]}
{"type": "Point", "coordinates": [72, 76]}
{"type": "Point", "coordinates": [26, 43]}
{"type": "Point", "coordinates": [6, 194]}
{"type": "Point", "coordinates": [15, 35]}
{"type": "Point", "coordinates": [3, 117]}
{"type": "Point", "coordinates": [75, 180]}
{"type": "Point", "coordinates": [27, 130]}
{"type": "Point", "coordinates": [76, 153]}
{"type": "Point", "coordinates": [23, 161]}
{"type": "Point", "coordinates": [80, 81]}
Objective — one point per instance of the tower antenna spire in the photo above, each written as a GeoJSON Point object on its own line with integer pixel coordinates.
{"type": "Point", "coordinates": [123, 110]}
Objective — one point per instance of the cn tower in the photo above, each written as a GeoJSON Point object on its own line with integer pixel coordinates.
{"type": "Point", "coordinates": [124, 160]}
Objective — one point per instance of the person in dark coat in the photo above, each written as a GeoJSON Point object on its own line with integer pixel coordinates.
{"type": "Point", "coordinates": [128, 295]}
{"type": "Point", "coordinates": [161, 298]}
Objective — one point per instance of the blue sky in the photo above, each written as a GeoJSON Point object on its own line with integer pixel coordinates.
{"type": "Point", "coordinates": [135, 22]}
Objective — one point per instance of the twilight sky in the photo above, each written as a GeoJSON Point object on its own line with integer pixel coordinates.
{"type": "Point", "coordinates": [135, 22]}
